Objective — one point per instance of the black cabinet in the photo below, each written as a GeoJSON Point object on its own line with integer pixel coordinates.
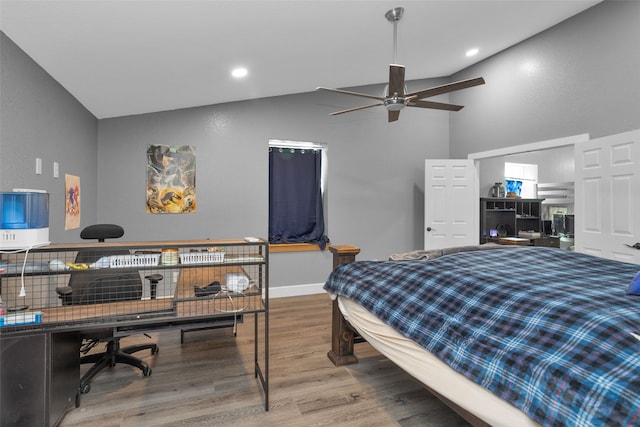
{"type": "Point", "coordinates": [505, 217]}
{"type": "Point", "coordinates": [547, 241]}
{"type": "Point", "coordinates": [22, 388]}
{"type": "Point", "coordinates": [40, 376]}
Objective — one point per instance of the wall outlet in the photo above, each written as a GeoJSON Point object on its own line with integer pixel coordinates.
{"type": "Point", "coordinates": [56, 170]}
{"type": "Point", "coordinates": [38, 166]}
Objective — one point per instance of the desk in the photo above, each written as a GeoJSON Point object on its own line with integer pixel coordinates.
{"type": "Point", "coordinates": [58, 336]}
{"type": "Point", "coordinates": [518, 241]}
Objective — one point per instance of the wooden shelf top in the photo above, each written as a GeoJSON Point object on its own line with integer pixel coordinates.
{"type": "Point", "coordinates": [145, 244]}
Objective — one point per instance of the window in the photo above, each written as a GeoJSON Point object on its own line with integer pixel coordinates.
{"type": "Point", "coordinates": [297, 192]}
{"type": "Point", "coordinates": [521, 178]}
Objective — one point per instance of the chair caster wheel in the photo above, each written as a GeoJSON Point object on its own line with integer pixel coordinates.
{"type": "Point", "coordinates": [155, 350]}
{"type": "Point", "coordinates": [146, 372]}
{"type": "Point", "coordinates": [84, 389]}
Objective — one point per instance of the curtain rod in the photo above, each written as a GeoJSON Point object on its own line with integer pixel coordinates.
{"type": "Point", "coordinates": [281, 143]}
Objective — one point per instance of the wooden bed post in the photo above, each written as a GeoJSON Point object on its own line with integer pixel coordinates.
{"type": "Point", "coordinates": [342, 334]}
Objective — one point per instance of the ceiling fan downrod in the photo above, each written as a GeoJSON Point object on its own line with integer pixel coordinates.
{"type": "Point", "coordinates": [394, 16]}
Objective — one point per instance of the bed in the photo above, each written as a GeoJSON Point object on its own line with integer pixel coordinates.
{"type": "Point", "coordinates": [504, 335]}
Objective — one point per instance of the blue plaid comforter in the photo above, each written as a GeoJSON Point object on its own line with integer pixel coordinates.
{"type": "Point", "coordinates": [550, 331]}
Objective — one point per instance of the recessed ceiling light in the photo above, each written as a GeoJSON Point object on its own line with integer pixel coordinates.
{"type": "Point", "coordinates": [472, 52]}
{"type": "Point", "coordinates": [239, 72]}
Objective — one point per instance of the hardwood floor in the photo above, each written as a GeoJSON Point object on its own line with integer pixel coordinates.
{"type": "Point", "coordinates": [209, 380]}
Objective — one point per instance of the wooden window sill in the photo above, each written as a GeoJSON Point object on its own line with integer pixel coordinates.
{"type": "Point", "coordinates": [294, 247]}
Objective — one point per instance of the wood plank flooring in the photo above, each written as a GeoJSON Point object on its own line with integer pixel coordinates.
{"type": "Point", "coordinates": [209, 380]}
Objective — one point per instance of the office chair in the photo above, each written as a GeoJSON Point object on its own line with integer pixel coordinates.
{"type": "Point", "coordinates": [95, 287]}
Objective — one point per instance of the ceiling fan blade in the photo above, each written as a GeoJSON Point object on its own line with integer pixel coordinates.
{"type": "Point", "coordinates": [396, 80]}
{"type": "Point", "coordinates": [450, 87]}
{"type": "Point", "coordinates": [393, 115]}
{"type": "Point", "coordinates": [434, 105]}
{"type": "Point", "coordinates": [346, 92]}
{"type": "Point", "coordinates": [354, 109]}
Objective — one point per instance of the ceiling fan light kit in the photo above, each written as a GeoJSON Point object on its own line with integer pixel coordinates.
{"type": "Point", "coordinates": [394, 104]}
{"type": "Point", "coordinates": [396, 97]}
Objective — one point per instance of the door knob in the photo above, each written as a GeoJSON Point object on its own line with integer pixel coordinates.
{"type": "Point", "coordinates": [431, 229]}
{"type": "Point", "coordinates": [636, 246]}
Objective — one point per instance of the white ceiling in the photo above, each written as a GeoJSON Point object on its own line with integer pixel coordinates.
{"type": "Point", "coordinates": [124, 57]}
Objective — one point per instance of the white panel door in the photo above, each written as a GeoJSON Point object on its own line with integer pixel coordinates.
{"type": "Point", "coordinates": [451, 203]}
{"type": "Point", "coordinates": [608, 196]}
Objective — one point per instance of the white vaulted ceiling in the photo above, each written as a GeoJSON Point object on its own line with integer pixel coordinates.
{"type": "Point", "coordinates": [124, 57]}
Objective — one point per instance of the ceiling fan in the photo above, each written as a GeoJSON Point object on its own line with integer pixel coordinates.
{"type": "Point", "coordinates": [396, 98]}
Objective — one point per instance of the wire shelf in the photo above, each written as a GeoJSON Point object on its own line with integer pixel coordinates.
{"type": "Point", "coordinates": [98, 283]}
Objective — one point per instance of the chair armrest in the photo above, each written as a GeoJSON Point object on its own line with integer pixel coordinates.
{"type": "Point", "coordinates": [64, 290]}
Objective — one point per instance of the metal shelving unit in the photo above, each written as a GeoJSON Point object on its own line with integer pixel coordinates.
{"type": "Point", "coordinates": [202, 284]}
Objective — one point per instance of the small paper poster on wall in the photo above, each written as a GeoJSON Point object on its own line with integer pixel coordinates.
{"type": "Point", "coordinates": [72, 202]}
{"type": "Point", "coordinates": [171, 179]}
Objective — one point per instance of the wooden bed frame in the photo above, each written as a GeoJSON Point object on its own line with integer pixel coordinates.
{"type": "Point", "coordinates": [344, 336]}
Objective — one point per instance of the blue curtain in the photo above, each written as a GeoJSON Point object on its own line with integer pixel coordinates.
{"type": "Point", "coordinates": [295, 197]}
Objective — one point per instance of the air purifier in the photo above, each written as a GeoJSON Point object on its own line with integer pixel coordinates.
{"type": "Point", "coordinates": [24, 219]}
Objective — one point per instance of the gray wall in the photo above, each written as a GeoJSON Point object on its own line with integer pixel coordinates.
{"type": "Point", "coordinates": [39, 118]}
{"type": "Point", "coordinates": [375, 173]}
{"type": "Point", "coordinates": [584, 82]}
{"type": "Point", "coordinates": [578, 77]}
{"type": "Point", "coordinates": [554, 165]}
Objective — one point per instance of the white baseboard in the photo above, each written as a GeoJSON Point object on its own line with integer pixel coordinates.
{"type": "Point", "coordinates": [296, 290]}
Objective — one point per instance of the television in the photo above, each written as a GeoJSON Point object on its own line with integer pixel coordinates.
{"type": "Point", "coordinates": [564, 225]}
{"type": "Point", "coordinates": [569, 225]}
{"type": "Point", "coordinates": [557, 224]}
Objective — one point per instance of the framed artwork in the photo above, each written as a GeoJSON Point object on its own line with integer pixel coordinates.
{"type": "Point", "coordinates": [72, 202]}
{"type": "Point", "coordinates": [513, 186]}
{"type": "Point", "coordinates": [171, 179]}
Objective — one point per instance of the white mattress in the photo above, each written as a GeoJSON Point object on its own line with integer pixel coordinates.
{"type": "Point", "coordinates": [430, 370]}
